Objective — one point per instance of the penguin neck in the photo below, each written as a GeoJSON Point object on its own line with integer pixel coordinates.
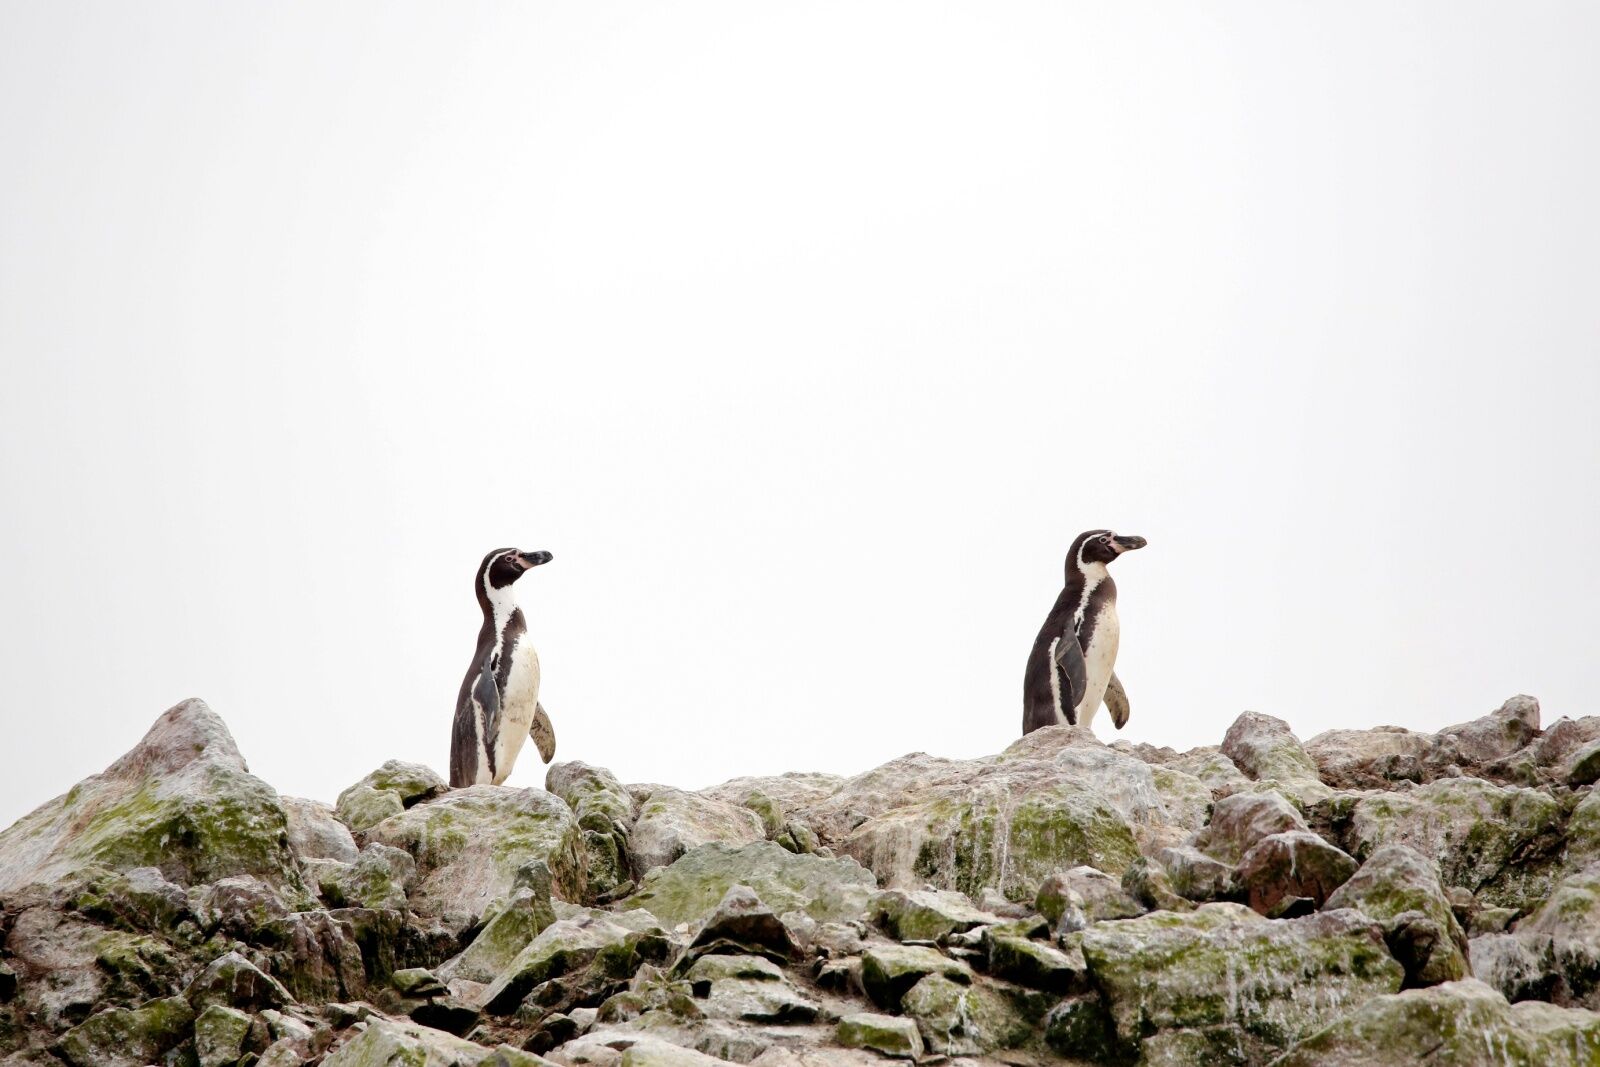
{"type": "Point", "coordinates": [500, 613]}
{"type": "Point", "coordinates": [1090, 576]}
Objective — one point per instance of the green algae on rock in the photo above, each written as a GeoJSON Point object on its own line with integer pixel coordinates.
{"type": "Point", "coordinates": [689, 890]}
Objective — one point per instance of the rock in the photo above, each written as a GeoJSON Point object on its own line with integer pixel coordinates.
{"type": "Point", "coordinates": [1400, 889]}
{"type": "Point", "coordinates": [604, 811]}
{"type": "Point", "coordinates": [1195, 876]}
{"type": "Point", "coordinates": [1297, 863]}
{"type": "Point", "coordinates": [470, 845]}
{"type": "Point", "coordinates": [234, 982]}
{"type": "Point", "coordinates": [1585, 766]}
{"type": "Point", "coordinates": [181, 800]}
{"type": "Point", "coordinates": [446, 1013]}
{"type": "Point", "coordinates": [671, 822]}
{"type": "Point", "coordinates": [1500, 842]}
{"type": "Point", "coordinates": [599, 949]}
{"type": "Point", "coordinates": [525, 915]}
{"type": "Point", "coordinates": [1583, 834]}
{"type": "Point", "coordinates": [1095, 895]}
{"type": "Point", "coordinates": [315, 832]}
{"type": "Point", "coordinates": [1037, 965]}
{"type": "Point", "coordinates": [418, 982]}
{"type": "Point", "coordinates": [379, 878]}
{"type": "Point", "coordinates": [889, 971]}
{"type": "Point", "coordinates": [140, 900]}
{"type": "Point", "coordinates": [1263, 747]}
{"type": "Point", "coordinates": [1503, 962]}
{"type": "Point", "coordinates": [1369, 759]}
{"type": "Point", "coordinates": [220, 1034]}
{"type": "Point", "coordinates": [881, 1033]}
{"type": "Point", "coordinates": [1463, 1023]}
{"type": "Point", "coordinates": [665, 1054]}
{"type": "Point", "coordinates": [1563, 938]}
{"type": "Point", "coordinates": [387, 792]}
{"type": "Point", "coordinates": [968, 1020]}
{"type": "Point", "coordinates": [318, 954]}
{"type": "Point", "coordinates": [119, 1037]}
{"type": "Point", "coordinates": [1240, 821]}
{"type": "Point", "coordinates": [926, 914]}
{"type": "Point", "coordinates": [759, 1001]}
{"type": "Point", "coordinates": [828, 890]}
{"type": "Point", "coordinates": [1186, 798]}
{"type": "Point", "coordinates": [742, 924]}
{"type": "Point", "coordinates": [392, 1043]}
{"type": "Point", "coordinates": [1556, 748]}
{"type": "Point", "coordinates": [1147, 882]}
{"type": "Point", "coordinates": [1215, 771]}
{"type": "Point", "coordinates": [1260, 983]}
{"type": "Point", "coordinates": [1494, 736]}
{"type": "Point", "coordinates": [237, 907]}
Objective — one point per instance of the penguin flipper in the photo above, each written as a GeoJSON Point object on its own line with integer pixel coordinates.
{"type": "Point", "coordinates": [487, 696]}
{"type": "Point", "coordinates": [1117, 701]}
{"type": "Point", "coordinates": [543, 734]}
{"type": "Point", "coordinates": [1073, 674]}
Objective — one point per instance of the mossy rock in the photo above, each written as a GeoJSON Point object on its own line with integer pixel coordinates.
{"type": "Point", "coordinates": [524, 917]}
{"type": "Point", "coordinates": [1462, 1022]}
{"type": "Point", "coordinates": [897, 1038]}
{"type": "Point", "coordinates": [992, 836]}
{"type": "Point", "coordinates": [119, 1037]}
{"type": "Point", "coordinates": [1400, 889]}
{"type": "Point", "coordinates": [180, 801]}
{"type": "Point", "coordinates": [470, 846]}
{"type": "Point", "coordinates": [888, 972]}
{"type": "Point", "coordinates": [1503, 843]}
{"type": "Point", "coordinates": [689, 890]}
{"type": "Point", "coordinates": [1272, 982]}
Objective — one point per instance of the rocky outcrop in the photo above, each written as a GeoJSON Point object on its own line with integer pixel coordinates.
{"type": "Point", "coordinates": [1371, 897]}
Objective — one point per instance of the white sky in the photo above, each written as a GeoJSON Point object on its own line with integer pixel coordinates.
{"type": "Point", "coordinates": [806, 337]}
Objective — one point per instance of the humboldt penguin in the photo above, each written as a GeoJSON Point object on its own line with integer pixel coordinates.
{"type": "Point", "coordinates": [498, 708]}
{"type": "Point", "coordinates": [1070, 668]}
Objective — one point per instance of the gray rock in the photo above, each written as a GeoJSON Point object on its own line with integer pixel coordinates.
{"type": "Point", "coordinates": [392, 1043]}
{"type": "Point", "coordinates": [894, 1037]}
{"type": "Point", "coordinates": [1094, 895]}
{"type": "Point", "coordinates": [1503, 962]}
{"type": "Point", "coordinates": [470, 846]}
{"type": "Point", "coordinates": [926, 914]}
{"type": "Point", "coordinates": [742, 924]}
{"type": "Point", "coordinates": [315, 832]}
{"type": "Point", "coordinates": [118, 1037]}
{"type": "Point", "coordinates": [828, 890]}
{"type": "Point", "coordinates": [1265, 984]}
{"type": "Point", "coordinates": [1563, 937]}
{"type": "Point", "coordinates": [889, 971]}
{"type": "Point", "coordinates": [1503, 843]}
{"type": "Point", "coordinates": [1370, 759]}
{"type": "Point", "coordinates": [181, 800]}
{"type": "Point", "coordinates": [604, 811]}
{"type": "Point", "coordinates": [525, 915]}
{"type": "Point", "coordinates": [596, 947]}
{"type": "Point", "coordinates": [1037, 965]}
{"type": "Point", "coordinates": [1295, 864]}
{"type": "Point", "coordinates": [1195, 876]}
{"type": "Point", "coordinates": [1494, 736]}
{"type": "Point", "coordinates": [220, 1035]}
{"type": "Point", "coordinates": [1264, 747]}
{"type": "Point", "coordinates": [387, 792]}
{"type": "Point", "coordinates": [1240, 821]}
{"type": "Point", "coordinates": [1214, 770]}
{"type": "Point", "coordinates": [1584, 767]}
{"type": "Point", "coordinates": [1400, 889]}
{"type": "Point", "coordinates": [234, 982]}
{"type": "Point", "coordinates": [1465, 1024]}
{"type": "Point", "coordinates": [672, 821]}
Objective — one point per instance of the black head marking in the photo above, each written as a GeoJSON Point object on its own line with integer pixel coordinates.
{"type": "Point", "coordinates": [1099, 546]}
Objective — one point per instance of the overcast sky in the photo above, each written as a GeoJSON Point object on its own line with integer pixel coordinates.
{"type": "Point", "coordinates": [806, 337]}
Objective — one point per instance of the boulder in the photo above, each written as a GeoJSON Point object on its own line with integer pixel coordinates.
{"type": "Point", "coordinates": [889, 971]}
{"type": "Point", "coordinates": [220, 1036]}
{"type": "Point", "coordinates": [119, 1037]}
{"type": "Point", "coordinates": [1264, 748]}
{"type": "Point", "coordinates": [672, 821]}
{"type": "Point", "coordinates": [1195, 876]}
{"type": "Point", "coordinates": [1072, 899]}
{"type": "Point", "coordinates": [599, 948]}
{"type": "Point", "coordinates": [392, 1043]}
{"type": "Point", "coordinates": [1563, 939]}
{"type": "Point", "coordinates": [1584, 768]}
{"type": "Point", "coordinates": [882, 1033]}
{"type": "Point", "coordinates": [1503, 843]}
{"type": "Point", "coordinates": [471, 844]}
{"type": "Point", "coordinates": [1369, 759]}
{"type": "Point", "coordinates": [1400, 889]}
{"type": "Point", "coordinates": [1293, 866]}
{"type": "Point", "coordinates": [1036, 965]}
{"type": "Point", "coordinates": [386, 792]}
{"type": "Point", "coordinates": [1215, 771]}
{"type": "Point", "coordinates": [524, 917]}
{"type": "Point", "coordinates": [687, 891]}
{"type": "Point", "coordinates": [1257, 984]}
{"type": "Point", "coordinates": [604, 810]}
{"type": "Point", "coordinates": [1463, 1023]}
{"type": "Point", "coordinates": [181, 801]}
{"type": "Point", "coordinates": [971, 1020]}
{"type": "Point", "coordinates": [1494, 736]}
{"type": "Point", "coordinates": [315, 832]}
{"type": "Point", "coordinates": [742, 924]}
{"type": "Point", "coordinates": [232, 981]}
{"type": "Point", "coordinates": [926, 914]}
{"type": "Point", "coordinates": [1240, 821]}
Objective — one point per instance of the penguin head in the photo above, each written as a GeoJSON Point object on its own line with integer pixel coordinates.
{"type": "Point", "coordinates": [1101, 546]}
{"type": "Point", "coordinates": [505, 565]}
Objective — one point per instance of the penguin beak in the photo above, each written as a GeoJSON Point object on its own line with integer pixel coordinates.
{"type": "Point", "coordinates": [530, 560]}
{"type": "Point", "coordinates": [1128, 543]}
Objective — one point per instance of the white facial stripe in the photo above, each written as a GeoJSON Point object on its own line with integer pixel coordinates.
{"type": "Point", "coordinates": [501, 601]}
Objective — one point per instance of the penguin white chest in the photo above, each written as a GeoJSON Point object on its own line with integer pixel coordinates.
{"type": "Point", "coordinates": [517, 705]}
{"type": "Point", "coordinates": [1099, 659]}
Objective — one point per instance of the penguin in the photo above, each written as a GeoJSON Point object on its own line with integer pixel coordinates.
{"type": "Point", "coordinates": [1070, 668]}
{"type": "Point", "coordinates": [498, 707]}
